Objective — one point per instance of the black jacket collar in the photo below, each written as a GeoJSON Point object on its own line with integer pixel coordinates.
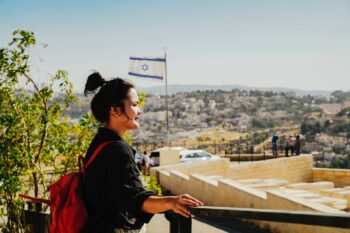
{"type": "Point", "coordinates": [109, 134]}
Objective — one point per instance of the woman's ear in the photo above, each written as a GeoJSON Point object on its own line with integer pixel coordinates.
{"type": "Point", "coordinates": [115, 110]}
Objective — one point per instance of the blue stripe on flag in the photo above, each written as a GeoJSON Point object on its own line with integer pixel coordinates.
{"type": "Point", "coordinates": [146, 76]}
{"type": "Point", "coordinates": [147, 59]}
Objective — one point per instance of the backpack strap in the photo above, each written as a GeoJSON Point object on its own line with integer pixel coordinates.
{"type": "Point", "coordinates": [96, 152]}
{"type": "Point", "coordinates": [36, 199]}
{"type": "Point", "coordinates": [99, 148]}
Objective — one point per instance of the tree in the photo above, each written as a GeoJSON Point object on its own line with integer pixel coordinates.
{"type": "Point", "coordinates": [36, 138]}
{"type": "Point", "coordinates": [343, 163]}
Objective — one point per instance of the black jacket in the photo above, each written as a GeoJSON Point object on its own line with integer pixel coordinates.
{"type": "Point", "coordinates": [112, 191]}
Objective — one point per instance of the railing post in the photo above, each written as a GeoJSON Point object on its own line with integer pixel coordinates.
{"type": "Point", "coordinates": [178, 223]}
{"type": "Point", "coordinates": [215, 147]}
{"type": "Point", "coordinates": [281, 146]}
{"type": "Point", "coordinates": [251, 152]}
{"type": "Point", "coordinates": [35, 219]}
{"type": "Point", "coordinates": [239, 154]}
{"type": "Point", "coordinates": [264, 151]}
{"type": "Point", "coordinates": [185, 224]}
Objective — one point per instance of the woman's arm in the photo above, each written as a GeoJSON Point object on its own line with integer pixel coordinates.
{"type": "Point", "coordinates": [155, 204]}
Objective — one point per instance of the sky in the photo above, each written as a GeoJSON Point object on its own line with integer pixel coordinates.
{"type": "Point", "coordinates": [294, 44]}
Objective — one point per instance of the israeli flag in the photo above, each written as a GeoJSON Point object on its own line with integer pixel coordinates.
{"type": "Point", "coordinates": [147, 67]}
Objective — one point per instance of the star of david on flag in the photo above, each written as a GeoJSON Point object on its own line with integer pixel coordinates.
{"type": "Point", "coordinates": [147, 67]}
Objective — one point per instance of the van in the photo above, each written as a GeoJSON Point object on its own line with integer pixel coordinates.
{"type": "Point", "coordinates": [166, 155]}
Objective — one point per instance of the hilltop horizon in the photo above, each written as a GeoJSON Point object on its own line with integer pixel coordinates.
{"type": "Point", "coordinates": [175, 88]}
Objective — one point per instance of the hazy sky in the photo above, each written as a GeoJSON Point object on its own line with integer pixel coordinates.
{"type": "Point", "coordinates": [298, 44]}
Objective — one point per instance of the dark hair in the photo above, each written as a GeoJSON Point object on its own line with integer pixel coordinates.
{"type": "Point", "coordinates": [109, 93]}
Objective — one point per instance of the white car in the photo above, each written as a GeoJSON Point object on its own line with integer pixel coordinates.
{"type": "Point", "coordinates": [196, 155]}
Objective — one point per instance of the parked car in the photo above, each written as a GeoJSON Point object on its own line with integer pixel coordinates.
{"type": "Point", "coordinates": [196, 155]}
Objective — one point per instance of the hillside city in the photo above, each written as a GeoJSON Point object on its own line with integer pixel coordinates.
{"type": "Point", "coordinates": [249, 116]}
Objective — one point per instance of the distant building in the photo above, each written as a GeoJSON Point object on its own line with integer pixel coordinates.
{"type": "Point", "coordinates": [291, 94]}
{"type": "Point", "coordinates": [212, 104]}
{"type": "Point", "coordinates": [330, 109]}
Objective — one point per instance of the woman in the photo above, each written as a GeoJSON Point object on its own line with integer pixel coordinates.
{"type": "Point", "coordinates": [113, 193]}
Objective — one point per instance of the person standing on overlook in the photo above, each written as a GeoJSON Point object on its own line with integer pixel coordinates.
{"type": "Point", "coordinates": [297, 145]}
{"type": "Point", "coordinates": [287, 145]}
{"type": "Point", "coordinates": [274, 145]}
{"type": "Point", "coordinates": [292, 145]}
{"type": "Point", "coordinates": [113, 193]}
{"type": "Point", "coordinates": [145, 163]}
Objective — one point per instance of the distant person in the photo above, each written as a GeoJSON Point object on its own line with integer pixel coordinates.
{"type": "Point", "coordinates": [292, 145]}
{"type": "Point", "coordinates": [274, 145]}
{"type": "Point", "coordinates": [288, 144]}
{"type": "Point", "coordinates": [282, 141]}
{"type": "Point", "coordinates": [145, 163]}
{"type": "Point", "coordinates": [113, 193]}
{"type": "Point", "coordinates": [297, 145]}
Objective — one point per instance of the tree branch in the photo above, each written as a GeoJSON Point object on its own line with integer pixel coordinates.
{"type": "Point", "coordinates": [37, 157]}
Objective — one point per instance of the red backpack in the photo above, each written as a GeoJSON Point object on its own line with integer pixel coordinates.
{"type": "Point", "coordinates": [68, 212]}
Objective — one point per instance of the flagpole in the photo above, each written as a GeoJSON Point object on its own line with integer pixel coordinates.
{"type": "Point", "coordinates": [166, 96]}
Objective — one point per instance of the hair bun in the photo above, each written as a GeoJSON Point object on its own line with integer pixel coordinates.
{"type": "Point", "coordinates": [94, 81]}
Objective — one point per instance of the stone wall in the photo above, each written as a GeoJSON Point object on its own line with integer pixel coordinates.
{"type": "Point", "coordinates": [213, 182]}
{"type": "Point", "coordinates": [294, 169]}
{"type": "Point", "coordinates": [218, 191]}
{"type": "Point", "coordinates": [340, 177]}
{"type": "Point", "coordinates": [212, 167]}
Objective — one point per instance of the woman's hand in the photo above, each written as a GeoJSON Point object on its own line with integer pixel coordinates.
{"type": "Point", "coordinates": [155, 204]}
{"type": "Point", "coordinates": [178, 204]}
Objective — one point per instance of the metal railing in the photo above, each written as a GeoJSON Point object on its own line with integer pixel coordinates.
{"type": "Point", "coordinates": [39, 221]}
{"type": "Point", "coordinates": [179, 224]}
{"type": "Point", "coordinates": [234, 150]}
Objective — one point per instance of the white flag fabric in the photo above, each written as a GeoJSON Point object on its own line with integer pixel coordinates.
{"type": "Point", "coordinates": [147, 67]}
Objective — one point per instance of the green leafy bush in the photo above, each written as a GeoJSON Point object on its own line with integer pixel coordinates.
{"type": "Point", "coordinates": [152, 184]}
{"type": "Point", "coordinates": [38, 142]}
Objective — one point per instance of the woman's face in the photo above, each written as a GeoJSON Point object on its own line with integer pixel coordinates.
{"type": "Point", "coordinates": [130, 118]}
